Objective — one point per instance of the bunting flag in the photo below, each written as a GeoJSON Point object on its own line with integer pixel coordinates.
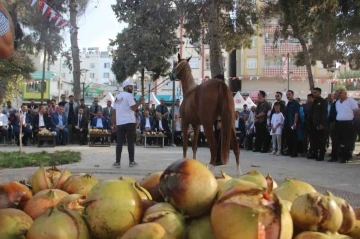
{"type": "Point", "coordinates": [51, 15]}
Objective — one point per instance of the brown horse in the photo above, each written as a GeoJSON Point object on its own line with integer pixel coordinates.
{"type": "Point", "coordinates": [202, 105]}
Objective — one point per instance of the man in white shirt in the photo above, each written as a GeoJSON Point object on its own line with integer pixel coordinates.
{"type": "Point", "coordinates": [124, 122]}
{"type": "Point", "coordinates": [346, 109]}
{"type": "Point", "coordinates": [3, 125]}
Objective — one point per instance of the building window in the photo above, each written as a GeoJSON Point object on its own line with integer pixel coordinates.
{"type": "Point", "coordinates": [207, 64]}
{"type": "Point", "coordinates": [254, 42]}
{"type": "Point", "coordinates": [251, 63]}
{"type": "Point", "coordinates": [106, 75]}
{"type": "Point", "coordinates": [107, 65]}
{"type": "Point", "coordinates": [92, 75]}
{"type": "Point", "coordinates": [92, 65]}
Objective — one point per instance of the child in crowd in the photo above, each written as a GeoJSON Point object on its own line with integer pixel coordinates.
{"type": "Point", "coordinates": [277, 122]}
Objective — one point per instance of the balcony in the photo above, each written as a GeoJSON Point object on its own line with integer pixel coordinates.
{"type": "Point", "coordinates": [282, 48]}
{"type": "Point", "coordinates": [278, 71]}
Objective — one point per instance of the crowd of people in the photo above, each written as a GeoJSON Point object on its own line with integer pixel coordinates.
{"type": "Point", "coordinates": [306, 130]}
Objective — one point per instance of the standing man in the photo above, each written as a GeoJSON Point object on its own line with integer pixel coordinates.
{"type": "Point", "coordinates": [63, 101]}
{"type": "Point", "coordinates": [291, 120]}
{"type": "Point", "coordinates": [84, 108]}
{"type": "Point", "coordinates": [261, 143]}
{"type": "Point", "coordinates": [332, 120]}
{"type": "Point", "coordinates": [162, 109]}
{"type": "Point", "coordinates": [33, 107]}
{"type": "Point", "coordinates": [306, 132]}
{"type": "Point", "coordinates": [245, 111]}
{"type": "Point", "coordinates": [95, 108]}
{"type": "Point", "coordinates": [108, 112]}
{"type": "Point", "coordinates": [319, 123]}
{"type": "Point", "coordinates": [53, 108]}
{"type": "Point", "coordinates": [124, 122]}
{"type": "Point", "coordinates": [344, 128]}
{"type": "Point", "coordinates": [175, 111]}
{"type": "Point", "coordinates": [7, 33]}
{"type": "Point", "coordinates": [70, 113]}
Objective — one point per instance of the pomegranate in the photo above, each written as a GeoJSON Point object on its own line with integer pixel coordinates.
{"type": "Point", "coordinates": [240, 185]}
{"type": "Point", "coordinates": [200, 228]}
{"type": "Point", "coordinates": [189, 186]}
{"type": "Point", "coordinates": [151, 184]}
{"type": "Point", "coordinates": [357, 213]}
{"type": "Point", "coordinates": [143, 193]}
{"type": "Point", "coordinates": [14, 224]}
{"type": "Point", "coordinates": [111, 208]}
{"type": "Point", "coordinates": [355, 233]}
{"type": "Point", "coordinates": [256, 177]}
{"type": "Point", "coordinates": [250, 214]}
{"type": "Point", "coordinates": [47, 179]}
{"type": "Point", "coordinates": [80, 184]}
{"type": "Point", "coordinates": [290, 189]}
{"type": "Point", "coordinates": [72, 202]}
{"type": "Point", "coordinates": [316, 212]}
{"type": "Point", "coordinates": [312, 235]}
{"type": "Point", "coordinates": [167, 216]}
{"type": "Point", "coordinates": [128, 179]}
{"type": "Point", "coordinates": [146, 204]}
{"type": "Point", "coordinates": [287, 204]}
{"type": "Point", "coordinates": [42, 200]}
{"type": "Point", "coordinates": [59, 223]}
{"type": "Point", "coordinates": [222, 179]}
{"type": "Point", "coordinates": [14, 195]}
{"type": "Point", "coordinates": [349, 218]}
{"type": "Point", "coordinates": [271, 184]}
{"type": "Point", "coordinates": [146, 231]}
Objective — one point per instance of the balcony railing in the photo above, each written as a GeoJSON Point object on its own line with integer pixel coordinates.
{"type": "Point", "coordinates": [271, 28]}
{"type": "Point", "coordinates": [282, 48]}
{"type": "Point", "coordinates": [278, 71]}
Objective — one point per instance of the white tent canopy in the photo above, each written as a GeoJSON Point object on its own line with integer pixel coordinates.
{"type": "Point", "coordinates": [153, 99]}
{"type": "Point", "coordinates": [104, 101]}
{"type": "Point", "coordinates": [239, 101]}
{"type": "Point", "coordinates": [249, 102]}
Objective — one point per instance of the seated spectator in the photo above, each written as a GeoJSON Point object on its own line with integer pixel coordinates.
{"type": "Point", "coordinates": [178, 131]}
{"type": "Point", "coordinates": [3, 125]}
{"type": "Point", "coordinates": [99, 122]}
{"type": "Point", "coordinates": [250, 135]}
{"type": "Point", "coordinates": [59, 124]}
{"type": "Point", "coordinates": [146, 123]}
{"type": "Point", "coordinates": [80, 126]}
{"type": "Point", "coordinates": [24, 118]}
{"type": "Point", "coordinates": [41, 121]}
{"type": "Point", "coordinates": [161, 125]}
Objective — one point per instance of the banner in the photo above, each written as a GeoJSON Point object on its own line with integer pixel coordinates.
{"type": "Point", "coordinates": [52, 15]}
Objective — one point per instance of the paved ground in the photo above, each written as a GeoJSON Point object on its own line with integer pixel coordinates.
{"type": "Point", "coordinates": [342, 179]}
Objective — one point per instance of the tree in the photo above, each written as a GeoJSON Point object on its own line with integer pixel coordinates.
{"type": "Point", "coordinates": [143, 45]}
{"type": "Point", "coordinates": [309, 22]}
{"type": "Point", "coordinates": [220, 23]}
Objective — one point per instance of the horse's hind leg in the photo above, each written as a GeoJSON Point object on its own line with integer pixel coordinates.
{"type": "Point", "coordinates": [185, 128]}
{"type": "Point", "coordinates": [194, 144]}
{"type": "Point", "coordinates": [236, 149]}
{"type": "Point", "coordinates": [209, 133]}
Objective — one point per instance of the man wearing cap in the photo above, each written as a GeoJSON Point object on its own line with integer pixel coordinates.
{"type": "Point", "coordinates": [124, 121]}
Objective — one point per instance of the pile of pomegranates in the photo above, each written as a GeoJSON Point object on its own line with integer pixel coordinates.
{"type": "Point", "coordinates": [184, 201]}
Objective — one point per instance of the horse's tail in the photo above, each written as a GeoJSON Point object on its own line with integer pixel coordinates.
{"type": "Point", "coordinates": [226, 104]}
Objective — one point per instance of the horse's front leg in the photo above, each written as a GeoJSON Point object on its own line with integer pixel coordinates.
{"type": "Point", "coordinates": [194, 144]}
{"type": "Point", "coordinates": [236, 149]}
{"type": "Point", "coordinates": [185, 129]}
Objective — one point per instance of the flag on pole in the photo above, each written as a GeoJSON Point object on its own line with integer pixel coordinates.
{"type": "Point", "coordinates": [33, 2]}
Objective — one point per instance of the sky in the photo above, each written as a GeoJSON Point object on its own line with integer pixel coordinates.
{"type": "Point", "coordinates": [97, 26]}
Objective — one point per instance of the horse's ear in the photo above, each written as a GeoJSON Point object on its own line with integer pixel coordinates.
{"type": "Point", "coordinates": [188, 59]}
{"type": "Point", "coordinates": [179, 57]}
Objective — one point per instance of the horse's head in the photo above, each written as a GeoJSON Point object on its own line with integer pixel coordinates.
{"type": "Point", "coordinates": [182, 64]}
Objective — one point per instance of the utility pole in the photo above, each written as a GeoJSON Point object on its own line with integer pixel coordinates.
{"type": "Point", "coordinates": [288, 70]}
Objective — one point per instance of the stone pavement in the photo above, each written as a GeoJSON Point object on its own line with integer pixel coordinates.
{"type": "Point", "coordinates": [342, 179]}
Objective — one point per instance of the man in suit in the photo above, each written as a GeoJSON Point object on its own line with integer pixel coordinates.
{"type": "Point", "coordinates": [70, 108]}
{"type": "Point", "coordinates": [59, 124]}
{"type": "Point", "coordinates": [99, 122]}
{"type": "Point", "coordinates": [108, 111]}
{"type": "Point", "coordinates": [85, 109]}
{"type": "Point", "coordinates": [41, 121]}
{"type": "Point", "coordinates": [80, 126]}
{"type": "Point", "coordinates": [146, 124]}
{"type": "Point", "coordinates": [95, 108]}
{"type": "Point", "coordinates": [161, 125]}
{"type": "Point", "coordinates": [23, 119]}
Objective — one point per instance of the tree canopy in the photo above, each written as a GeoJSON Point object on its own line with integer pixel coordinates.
{"type": "Point", "coordinates": [143, 45]}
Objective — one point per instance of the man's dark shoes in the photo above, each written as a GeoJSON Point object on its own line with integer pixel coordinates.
{"type": "Point", "coordinates": [132, 164]}
{"type": "Point", "coordinates": [117, 165]}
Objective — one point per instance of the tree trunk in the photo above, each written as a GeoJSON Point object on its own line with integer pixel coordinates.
{"type": "Point", "coordinates": [307, 62]}
{"type": "Point", "coordinates": [216, 59]}
{"type": "Point", "coordinates": [143, 81]}
{"type": "Point", "coordinates": [43, 75]}
{"type": "Point", "coordinates": [75, 51]}
{"type": "Point", "coordinates": [3, 84]}
{"type": "Point", "coordinates": [20, 133]}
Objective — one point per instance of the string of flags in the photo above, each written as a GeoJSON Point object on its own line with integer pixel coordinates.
{"type": "Point", "coordinates": [51, 15]}
{"type": "Point", "coordinates": [346, 81]}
